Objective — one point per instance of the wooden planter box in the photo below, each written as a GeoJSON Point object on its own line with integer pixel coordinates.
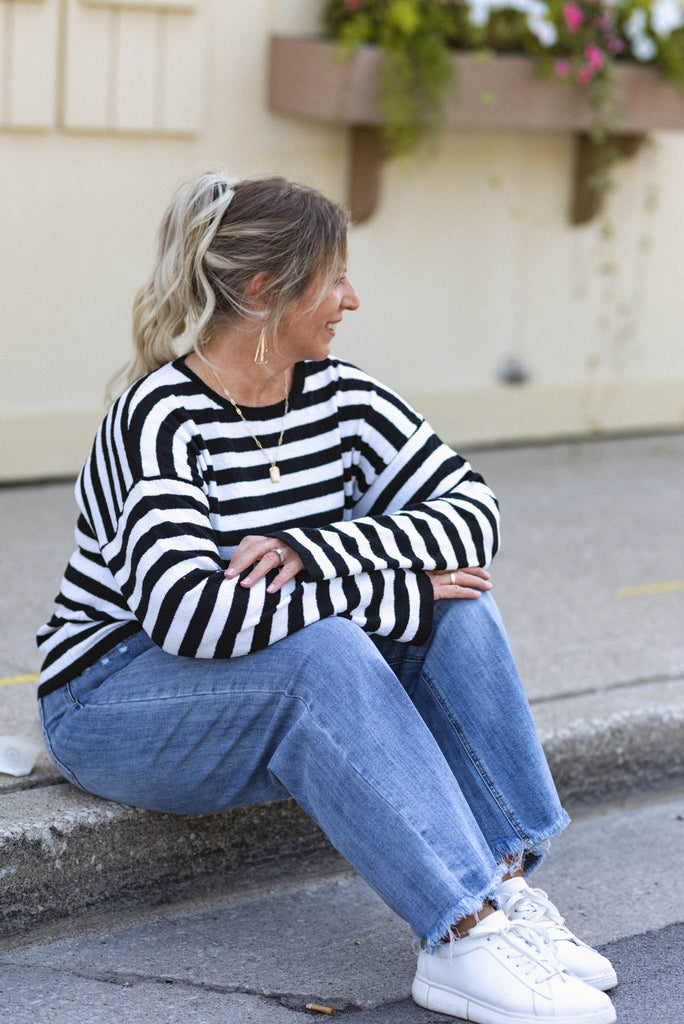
{"type": "Point", "coordinates": [308, 79]}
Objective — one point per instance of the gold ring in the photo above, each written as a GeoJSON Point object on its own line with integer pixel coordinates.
{"type": "Point", "coordinates": [452, 577]}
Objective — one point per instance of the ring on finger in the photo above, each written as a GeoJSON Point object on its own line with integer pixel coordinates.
{"type": "Point", "coordinates": [280, 554]}
{"type": "Point", "coordinates": [452, 577]}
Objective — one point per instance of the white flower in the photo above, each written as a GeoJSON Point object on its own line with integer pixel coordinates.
{"type": "Point", "coordinates": [479, 12]}
{"type": "Point", "coordinates": [644, 48]}
{"type": "Point", "coordinates": [666, 16]}
{"type": "Point", "coordinates": [636, 23]}
{"type": "Point", "coordinates": [545, 31]}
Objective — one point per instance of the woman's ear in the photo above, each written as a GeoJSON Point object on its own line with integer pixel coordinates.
{"type": "Point", "coordinates": [258, 291]}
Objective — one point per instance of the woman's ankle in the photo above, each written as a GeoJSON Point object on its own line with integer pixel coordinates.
{"type": "Point", "coordinates": [515, 864]}
{"type": "Point", "coordinates": [462, 927]}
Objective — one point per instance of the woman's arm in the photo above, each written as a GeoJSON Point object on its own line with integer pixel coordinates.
{"type": "Point", "coordinates": [425, 510]}
{"type": "Point", "coordinates": [164, 559]}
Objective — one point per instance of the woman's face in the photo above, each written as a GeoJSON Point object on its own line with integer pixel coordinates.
{"type": "Point", "coordinates": [306, 332]}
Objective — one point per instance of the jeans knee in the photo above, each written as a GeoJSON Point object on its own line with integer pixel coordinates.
{"type": "Point", "coordinates": [336, 656]}
{"type": "Point", "coordinates": [335, 639]}
{"type": "Point", "coordinates": [475, 615]}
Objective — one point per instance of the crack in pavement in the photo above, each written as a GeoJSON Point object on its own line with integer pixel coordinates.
{"type": "Point", "coordinates": [129, 979]}
{"type": "Point", "coordinates": [623, 684]}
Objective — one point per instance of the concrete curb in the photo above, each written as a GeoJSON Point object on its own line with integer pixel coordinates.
{"type": "Point", "coordinates": [64, 853]}
{"type": "Point", "coordinates": [626, 753]}
{"type": "Point", "coordinates": [613, 742]}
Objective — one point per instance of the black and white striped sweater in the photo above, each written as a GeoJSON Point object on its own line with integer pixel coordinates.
{"type": "Point", "coordinates": [369, 497]}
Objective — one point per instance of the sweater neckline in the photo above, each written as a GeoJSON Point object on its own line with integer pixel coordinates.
{"type": "Point", "coordinates": [256, 412]}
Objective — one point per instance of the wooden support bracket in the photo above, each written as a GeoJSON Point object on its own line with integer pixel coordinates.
{"type": "Point", "coordinates": [590, 173]}
{"type": "Point", "coordinates": [366, 161]}
{"type": "Point", "coordinates": [591, 165]}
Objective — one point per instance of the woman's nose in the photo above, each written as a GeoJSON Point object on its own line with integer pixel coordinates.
{"type": "Point", "coordinates": [351, 299]}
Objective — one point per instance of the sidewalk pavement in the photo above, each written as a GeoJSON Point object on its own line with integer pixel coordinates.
{"type": "Point", "coordinates": [590, 581]}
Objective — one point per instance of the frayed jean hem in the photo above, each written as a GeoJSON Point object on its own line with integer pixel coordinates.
{"type": "Point", "coordinates": [531, 852]}
{"type": "Point", "coordinates": [466, 906]}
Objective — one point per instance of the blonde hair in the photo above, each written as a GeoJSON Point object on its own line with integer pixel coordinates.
{"type": "Point", "coordinates": [216, 234]}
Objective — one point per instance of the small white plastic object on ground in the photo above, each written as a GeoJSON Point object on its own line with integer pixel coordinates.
{"type": "Point", "coordinates": [18, 754]}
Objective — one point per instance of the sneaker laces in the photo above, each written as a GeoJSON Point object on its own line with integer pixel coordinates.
{"type": "Point", "coordinates": [534, 949]}
{"type": "Point", "coordinates": [534, 904]}
{"type": "Point", "coordinates": [535, 907]}
{"type": "Point", "coordinates": [528, 946]}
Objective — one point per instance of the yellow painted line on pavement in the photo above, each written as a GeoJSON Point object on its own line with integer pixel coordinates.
{"type": "Point", "coordinates": [651, 588]}
{"type": "Point", "coordinates": [18, 679]}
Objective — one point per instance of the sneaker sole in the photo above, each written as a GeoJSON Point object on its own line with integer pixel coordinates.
{"type": "Point", "coordinates": [444, 1000]}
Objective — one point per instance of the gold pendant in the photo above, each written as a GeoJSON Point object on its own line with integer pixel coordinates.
{"type": "Point", "coordinates": [274, 474]}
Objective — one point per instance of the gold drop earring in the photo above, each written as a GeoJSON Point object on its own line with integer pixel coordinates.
{"type": "Point", "coordinates": [260, 354]}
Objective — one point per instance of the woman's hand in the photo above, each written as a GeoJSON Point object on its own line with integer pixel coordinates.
{"type": "Point", "coordinates": [463, 583]}
{"type": "Point", "coordinates": [262, 554]}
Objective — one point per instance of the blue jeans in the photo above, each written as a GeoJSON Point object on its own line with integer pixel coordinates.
{"type": "Point", "coordinates": [421, 763]}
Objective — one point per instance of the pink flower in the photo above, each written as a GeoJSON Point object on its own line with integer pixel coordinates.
{"type": "Point", "coordinates": [594, 55]}
{"type": "Point", "coordinates": [573, 16]}
{"type": "Point", "coordinates": [562, 68]}
{"type": "Point", "coordinates": [353, 5]}
{"type": "Point", "coordinates": [584, 75]}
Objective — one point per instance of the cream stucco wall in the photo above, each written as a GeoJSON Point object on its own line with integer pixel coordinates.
{"type": "Point", "coordinates": [468, 261]}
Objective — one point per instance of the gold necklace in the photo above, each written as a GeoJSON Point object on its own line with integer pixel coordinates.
{"type": "Point", "coordinates": [274, 471]}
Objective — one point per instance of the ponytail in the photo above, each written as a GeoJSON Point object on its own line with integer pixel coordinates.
{"type": "Point", "coordinates": [177, 299]}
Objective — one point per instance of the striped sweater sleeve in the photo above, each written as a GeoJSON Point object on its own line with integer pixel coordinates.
{"type": "Point", "coordinates": [425, 508]}
{"type": "Point", "coordinates": [164, 560]}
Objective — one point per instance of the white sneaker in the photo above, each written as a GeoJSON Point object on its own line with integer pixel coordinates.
{"type": "Point", "coordinates": [520, 903]}
{"type": "Point", "coordinates": [505, 972]}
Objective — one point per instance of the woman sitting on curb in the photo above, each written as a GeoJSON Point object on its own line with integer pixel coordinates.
{"type": "Point", "coordinates": [280, 588]}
